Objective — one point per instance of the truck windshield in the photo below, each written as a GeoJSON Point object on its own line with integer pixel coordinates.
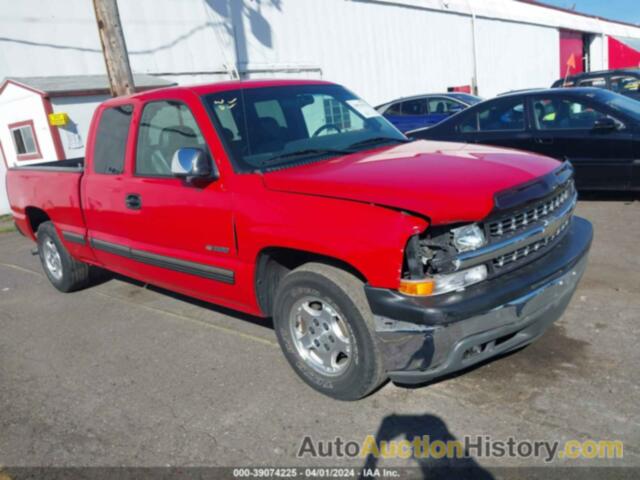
{"type": "Point", "coordinates": [275, 127]}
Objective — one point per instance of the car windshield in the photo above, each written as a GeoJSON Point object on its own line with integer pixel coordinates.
{"type": "Point", "coordinates": [265, 128]}
{"type": "Point", "coordinates": [623, 104]}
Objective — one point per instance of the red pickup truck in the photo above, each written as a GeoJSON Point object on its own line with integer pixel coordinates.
{"type": "Point", "coordinates": [377, 257]}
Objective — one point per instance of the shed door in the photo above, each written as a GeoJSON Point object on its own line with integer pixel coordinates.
{"type": "Point", "coordinates": [571, 53]}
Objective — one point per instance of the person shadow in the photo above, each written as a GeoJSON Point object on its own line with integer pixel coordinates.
{"type": "Point", "coordinates": [409, 427]}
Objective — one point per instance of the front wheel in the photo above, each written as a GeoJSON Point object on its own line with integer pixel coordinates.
{"type": "Point", "coordinates": [325, 328]}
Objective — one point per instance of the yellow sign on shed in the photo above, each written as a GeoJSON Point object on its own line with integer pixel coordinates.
{"type": "Point", "coordinates": [58, 119]}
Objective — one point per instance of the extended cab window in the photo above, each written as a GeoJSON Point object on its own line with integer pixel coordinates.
{"type": "Point", "coordinates": [504, 115]}
{"type": "Point", "coordinates": [111, 140]}
{"type": "Point", "coordinates": [164, 128]}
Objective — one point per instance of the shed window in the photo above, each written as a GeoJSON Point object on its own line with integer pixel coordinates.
{"type": "Point", "coordinates": [24, 140]}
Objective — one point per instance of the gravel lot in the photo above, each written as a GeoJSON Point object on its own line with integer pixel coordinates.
{"type": "Point", "coordinates": [120, 374]}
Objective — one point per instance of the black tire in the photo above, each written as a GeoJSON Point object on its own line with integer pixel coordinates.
{"type": "Point", "coordinates": [344, 293]}
{"type": "Point", "coordinates": [72, 274]}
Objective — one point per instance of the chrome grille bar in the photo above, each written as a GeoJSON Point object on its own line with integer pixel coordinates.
{"type": "Point", "coordinates": [529, 249]}
{"type": "Point", "coordinates": [514, 247]}
{"type": "Point", "coordinates": [537, 212]}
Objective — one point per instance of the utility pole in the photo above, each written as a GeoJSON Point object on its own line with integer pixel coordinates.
{"type": "Point", "coordinates": [114, 47]}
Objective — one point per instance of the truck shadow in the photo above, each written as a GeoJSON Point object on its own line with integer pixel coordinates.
{"type": "Point", "coordinates": [428, 435]}
{"type": "Point", "coordinates": [262, 322]}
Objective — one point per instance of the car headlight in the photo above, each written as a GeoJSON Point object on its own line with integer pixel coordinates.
{"type": "Point", "coordinates": [443, 283]}
{"type": "Point", "coordinates": [467, 238]}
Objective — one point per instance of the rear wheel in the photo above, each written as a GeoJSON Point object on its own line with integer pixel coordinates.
{"type": "Point", "coordinates": [63, 271]}
{"type": "Point", "coordinates": [325, 328]}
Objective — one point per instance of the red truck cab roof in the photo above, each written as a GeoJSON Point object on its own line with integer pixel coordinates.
{"type": "Point", "coordinates": [207, 88]}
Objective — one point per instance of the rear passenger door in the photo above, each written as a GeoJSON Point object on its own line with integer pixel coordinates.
{"type": "Point", "coordinates": [564, 128]}
{"type": "Point", "coordinates": [103, 185]}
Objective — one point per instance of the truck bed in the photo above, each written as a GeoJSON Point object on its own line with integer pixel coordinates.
{"type": "Point", "coordinates": [51, 187]}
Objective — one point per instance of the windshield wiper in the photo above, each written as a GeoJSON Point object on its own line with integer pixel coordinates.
{"type": "Point", "coordinates": [304, 153]}
{"type": "Point", "coordinates": [375, 140]}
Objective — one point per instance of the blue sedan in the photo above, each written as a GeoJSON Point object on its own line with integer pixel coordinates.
{"type": "Point", "coordinates": [424, 110]}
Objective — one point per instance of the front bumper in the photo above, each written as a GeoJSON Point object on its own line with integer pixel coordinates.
{"type": "Point", "coordinates": [423, 338]}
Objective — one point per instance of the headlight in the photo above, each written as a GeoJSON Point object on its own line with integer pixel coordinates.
{"type": "Point", "coordinates": [444, 283]}
{"type": "Point", "coordinates": [467, 238]}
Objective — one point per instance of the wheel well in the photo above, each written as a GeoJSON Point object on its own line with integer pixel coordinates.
{"type": "Point", "coordinates": [274, 263]}
{"type": "Point", "coordinates": [36, 216]}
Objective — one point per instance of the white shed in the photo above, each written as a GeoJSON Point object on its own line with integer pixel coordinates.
{"type": "Point", "coordinates": [47, 118]}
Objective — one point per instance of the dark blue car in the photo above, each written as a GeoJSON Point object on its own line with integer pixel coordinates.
{"type": "Point", "coordinates": [423, 110]}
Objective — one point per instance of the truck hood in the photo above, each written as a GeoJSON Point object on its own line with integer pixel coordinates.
{"type": "Point", "coordinates": [446, 182]}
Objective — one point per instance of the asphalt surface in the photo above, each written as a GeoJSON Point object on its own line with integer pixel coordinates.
{"type": "Point", "coordinates": [126, 374]}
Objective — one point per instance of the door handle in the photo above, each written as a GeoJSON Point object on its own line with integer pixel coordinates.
{"type": "Point", "coordinates": [133, 201]}
{"type": "Point", "coordinates": [544, 141]}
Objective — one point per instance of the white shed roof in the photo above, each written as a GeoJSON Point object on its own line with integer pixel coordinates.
{"type": "Point", "coordinates": [59, 86]}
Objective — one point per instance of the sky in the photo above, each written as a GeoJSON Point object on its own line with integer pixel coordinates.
{"type": "Point", "coordinates": [623, 10]}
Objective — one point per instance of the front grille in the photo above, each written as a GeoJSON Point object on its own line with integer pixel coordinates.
{"type": "Point", "coordinates": [532, 250]}
{"type": "Point", "coordinates": [522, 218]}
{"type": "Point", "coordinates": [528, 222]}
{"type": "Point", "coordinates": [524, 233]}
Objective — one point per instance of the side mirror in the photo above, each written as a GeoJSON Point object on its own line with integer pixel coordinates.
{"type": "Point", "coordinates": [192, 163]}
{"type": "Point", "coordinates": [605, 124]}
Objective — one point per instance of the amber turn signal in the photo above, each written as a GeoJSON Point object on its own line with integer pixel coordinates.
{"type": "Point", "coordinates": [422, 287]}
